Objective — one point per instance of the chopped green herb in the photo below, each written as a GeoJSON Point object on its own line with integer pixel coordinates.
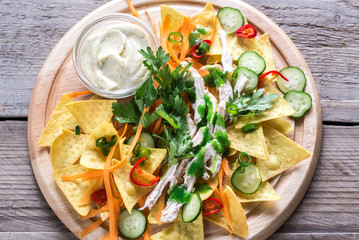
{"type": "Point", "coordinates": [77, 130]}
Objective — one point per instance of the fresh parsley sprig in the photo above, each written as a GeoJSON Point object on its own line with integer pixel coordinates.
{"type": "Point", "coordinates": [250, 104]}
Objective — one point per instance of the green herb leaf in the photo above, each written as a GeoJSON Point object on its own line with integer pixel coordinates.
{"type": "Point", "coordinates": [169, 119]}
{"type": "Point", "coordinates": [147, 119]}
{"type": "Point", "coordinates": [154, 63]}
{"type": "Point", "coordinates": [126, 113]}
{"type": "Point", "coordinates": [146, 95]}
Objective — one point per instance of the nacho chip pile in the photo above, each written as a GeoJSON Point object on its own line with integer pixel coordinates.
{"type": "Point", "coordinates": [80, 165]}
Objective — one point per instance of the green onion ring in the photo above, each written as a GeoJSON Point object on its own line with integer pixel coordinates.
{"type": "Point", "coordinates": [175, 34]}
{"type": "Point", "coordinates": [144, 152]}
{"type": "Point", "coordinates": [135, 149]}
{"type": "Point", "coordinates": [244, 154]}
{"type": "Point", "coordinates": [77, 130]}
{"type": "Point", "coordinates": [249, 128]}
{"type": "Point", "coordinates": [134, 159]}
{"type": "Point", "coordinates": [100, 142]}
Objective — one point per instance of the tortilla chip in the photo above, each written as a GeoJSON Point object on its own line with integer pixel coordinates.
{"type": "Point", "coordinates": [53, 129]}
{"type": "Point", "coordinates": [280, 109]}
{"type": "Point", "coordinates": [176, 20]}
{"type": "Point", "coordinates": [183, 231]}
{"type": "Point", "coordinates": [281, 125]}
{"type": "Point", "coordinates": [283, 154]}
{"type": "Point", "coordinates": [266, 49]}
{"type": "Point", "coordinates": [237, 46]}
{"type": "Point", "coordinates": [70, 123]}
{"type": "Point", "coordinates": [66, 149]}
{"type": "Point", "coordinates": [207, 194]}
{"type": "Point", "coordinates": [74, 190]}
{"type": "Point", "coordinates": [252, 143]}
{"type": "Point", "coordinates": [130, 192]}
{"type": "Point", "coordinates": [238, 217]}
{"type": "Point", "coordinates": [265, 193]}
{"type": "Point", "coordinates": [92, 156]}
{"type": "Point", "coordinates": [90, 113]}
{"type": "Point", "coordinates": [152, 163]}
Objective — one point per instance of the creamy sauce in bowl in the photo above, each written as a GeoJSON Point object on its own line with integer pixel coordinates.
{"type": "Point", "coordinates": [110, 59]}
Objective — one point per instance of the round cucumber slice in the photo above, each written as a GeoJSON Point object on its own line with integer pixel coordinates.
{"type": "Point", "coordinates": [252, 77]}
{"type": "Point", "coordinates": [231, 19]}
{"type": "Point", "coordinates": [191, 210]}
{"type": "Point", "coordinates": [146, 140]}
{"type": "Point", "coordinates": [247, 181]}
{"type": "Point", "coordinates": [296, 77]}
{"type": "Point", "coordinates": [253, 61]}
{"type": "Point", "coordinates": [132, 225]}
{"type": "Point", "coordinates": [301, 102]}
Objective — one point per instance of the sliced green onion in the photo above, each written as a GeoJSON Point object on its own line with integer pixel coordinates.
{"type": "Point", "coordinates": [175, 34]}
{"type": "Point", "coordinates": [135, 149]}
{"type": "Point", "coordinates": [102, 141]}
{"type": "Point", "coordinates": [244, 154]}
{"type": "Point", "coordinates": [106, 148]}
{"type": "Point", "coordinates": [144, 152]}
{"type": "Point", "coordinates": [77, 130]}
{"type": "Point", "coordinates": [202, 30]}
{"type": "Point", "coordinates": [249, 128]}
{"type": "Point", "coordinates": [134, 159]}
{"type": "Point", "coordinates": [204, 47]}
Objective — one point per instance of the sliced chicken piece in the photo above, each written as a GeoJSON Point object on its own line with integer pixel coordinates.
{"type": "Point", "coordinates": [240, 84]}
{"type": "Point", "coordinates": [170, 213]}
{"type": "Point", "coordinates": [227, 59]}
{"type": "Point", "coordinates": [157, 191]}
{"type": "Point", "coordinates": [192, 128]}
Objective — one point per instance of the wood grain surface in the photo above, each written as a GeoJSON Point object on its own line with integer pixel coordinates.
{"type": "Point", "coordinates": [326, 33]}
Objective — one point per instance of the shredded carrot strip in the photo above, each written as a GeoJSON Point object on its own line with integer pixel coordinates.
{"type": "Point", "coordinates": [161, 205]}
{"type": "Point", "coordinates": [225, 166]}
{"type": "Point", "coordinates": [91, 228]}
{"type": "Point", "coordinates": [224, 199]}
{"type": "Point", "coordinates": [185, 33]}
{"type": "Point", "coordinates": [94, 212]}
{"type": "Point", "coordinates": [152, 22]}
{"type": "Point", "coordinates": [147, 234]}
{"type": "Point", "coordinates": [133, 9]}
{"type": "Point", "coordinates": [165, 40]}
{"type": "Point", "coordinates": [124, 131]}
{"type": "Point", "coordinates": [213, 37]}
{"type": "Point", "coordinates": [135, 139]}
{"type": "Point", "coordinates": [157, 126]}
{"type": "Point", "coordinates": [192, 26]}
{"type": "Point", "coordinates": [76, 94]}
{"type": "Point", "coordinates": [203, 72]}
{"type": "Point", "coordinates": [110, 200]}
{"type": "Point", "coordinates": [214, 188]}
{"type": "Point", "coordinates": [86, 175]}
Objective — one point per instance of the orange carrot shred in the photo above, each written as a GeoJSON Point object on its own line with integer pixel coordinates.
{"type": "Point", "coordinates": [133, 9]}
{"type": "Point", "coordinates": [225, 166]}
{"type": "Point", "coordinates": [86, 198]}
{"type": "Point", "coordinates": [224, 199]}
{"type": "Point", "coordinates": [152, 22]}
{"type": "Point", "coordinates": [165, 42]}
{"type": "Point", "coordinates": [147, 234]}
{"type": "Point", "coordinates": [185, 33]}
{"type": "Point", "coordinates": [91, 228]}
{"type": "Point", "coordinates": [110, 199]}
{"type": "Point", "coordinates": [161, 205]}
{"type": "Point", "coordinates": [157, 126]}
{"type": "Point", "coordinates": [86, 175]}
{"type": "Point", "coordinates": [124, 131]}
{"type": "Point", "coordinates": [105, 237]}
{"type": "Point", "coordinates": [76, 94]}
{"type": "Point", "coordinates": [135, 139]}
{"type": "Point", "coordinates": [213, 37]}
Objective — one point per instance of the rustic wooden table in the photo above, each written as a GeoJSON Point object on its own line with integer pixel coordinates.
{"type": "Point", "coordinates": [325, 31]}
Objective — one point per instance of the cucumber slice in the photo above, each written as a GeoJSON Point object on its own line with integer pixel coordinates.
{"type": "Point", "coordinates": [132, 225]}
{"type": "Point", "coordinates": [247, 181]}
{"type": "Point", "coordinates": [146, 140]}
{"type": "Point", "coordinates": [252, 77]}
{"type": "Point", "coordinates": [231, 19]}
{"type": "Point", "coordinates": [191, 210]}
{"type": "Point", "coordinates": [296, 77]}
{"type": "Point", "coordinates": [301, 102]}
{"type": "Point", "coordinates": [253, 61]}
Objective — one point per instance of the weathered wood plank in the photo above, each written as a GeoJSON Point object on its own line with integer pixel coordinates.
{"type": "Point", "coordinates": [326, 32]}
{"type": "Point", "coordinates": [329, 210]}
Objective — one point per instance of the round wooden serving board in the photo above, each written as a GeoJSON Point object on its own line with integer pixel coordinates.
{"type": "Point", "coordinates": [58, 76]}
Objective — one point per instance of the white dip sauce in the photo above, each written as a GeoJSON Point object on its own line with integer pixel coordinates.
{"type": "Point", "coordinates": [110, 58]}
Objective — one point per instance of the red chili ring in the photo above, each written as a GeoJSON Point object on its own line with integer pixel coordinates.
{"type": "Point", "coordinates": [135, 181]}
{"type": "Point", "coordinates": [213, 211]}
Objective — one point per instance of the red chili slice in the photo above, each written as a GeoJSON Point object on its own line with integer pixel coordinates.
{"type": "Point", "coordinates": [139, 171]}
{"type": "Point", "coordinates": [195, 51]}
{"type": "Point", "coordinates": [246, 31]}
{"type": "Point", "coordinates": [99, 196]}
{"type": "Point", "coordinates": [271, 72]}
{"type": "Point", "coordinates": [211, 205]}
